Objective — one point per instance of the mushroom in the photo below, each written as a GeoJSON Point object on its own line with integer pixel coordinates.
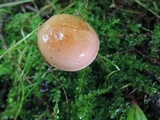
{"type": "Point", "coordinates": [68, 42]}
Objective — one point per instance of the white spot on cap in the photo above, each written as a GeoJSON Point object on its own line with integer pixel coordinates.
{"type": "Point", "coordinates": [60, 35]}
{"type": "Point", "coordinates": [45, 38]}
{"type": "Point", "coordinates": [82, 55]}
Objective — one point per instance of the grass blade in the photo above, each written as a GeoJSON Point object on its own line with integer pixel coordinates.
{"type": "Point", "coordinates": [14, 3]}
{"type": "Point", "coordinates": [18, 43]}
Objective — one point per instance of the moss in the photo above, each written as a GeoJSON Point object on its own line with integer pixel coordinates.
{"type": "Point", "coordinates": [126, 69]}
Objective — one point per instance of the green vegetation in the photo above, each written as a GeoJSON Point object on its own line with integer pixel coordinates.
{"type": "Point", "coordinates": [135, 112]}
{"type": "Point", "coordinates": [127, 67]}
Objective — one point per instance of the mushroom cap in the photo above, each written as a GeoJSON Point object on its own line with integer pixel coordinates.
{"type": "Point", "coordinates": [68, 42]}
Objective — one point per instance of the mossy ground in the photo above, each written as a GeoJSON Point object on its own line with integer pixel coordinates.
{"type": "Point", "coordinates": [127, 67]}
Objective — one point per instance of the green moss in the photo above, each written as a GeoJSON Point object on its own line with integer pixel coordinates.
{"type": "Point", "coordinates": [126, 68]}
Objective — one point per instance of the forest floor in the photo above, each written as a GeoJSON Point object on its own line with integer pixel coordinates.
{"type": "Point", "coordinates": [125, 74]}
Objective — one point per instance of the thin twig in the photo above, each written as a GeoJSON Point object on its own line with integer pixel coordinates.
{"type": "Point", "coordinates": [144, 6]}
{"type": "Point", "coordinates": [65, 93]}
{"type": "Point", "coordinates": [154, 61]}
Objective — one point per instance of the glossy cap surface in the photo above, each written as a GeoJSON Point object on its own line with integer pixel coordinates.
{"type": "Point", "coordinates": [68, 42]}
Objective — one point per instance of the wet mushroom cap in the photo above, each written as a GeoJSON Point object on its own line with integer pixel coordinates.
{"type": "Point", "coordinates": [68, 42]}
